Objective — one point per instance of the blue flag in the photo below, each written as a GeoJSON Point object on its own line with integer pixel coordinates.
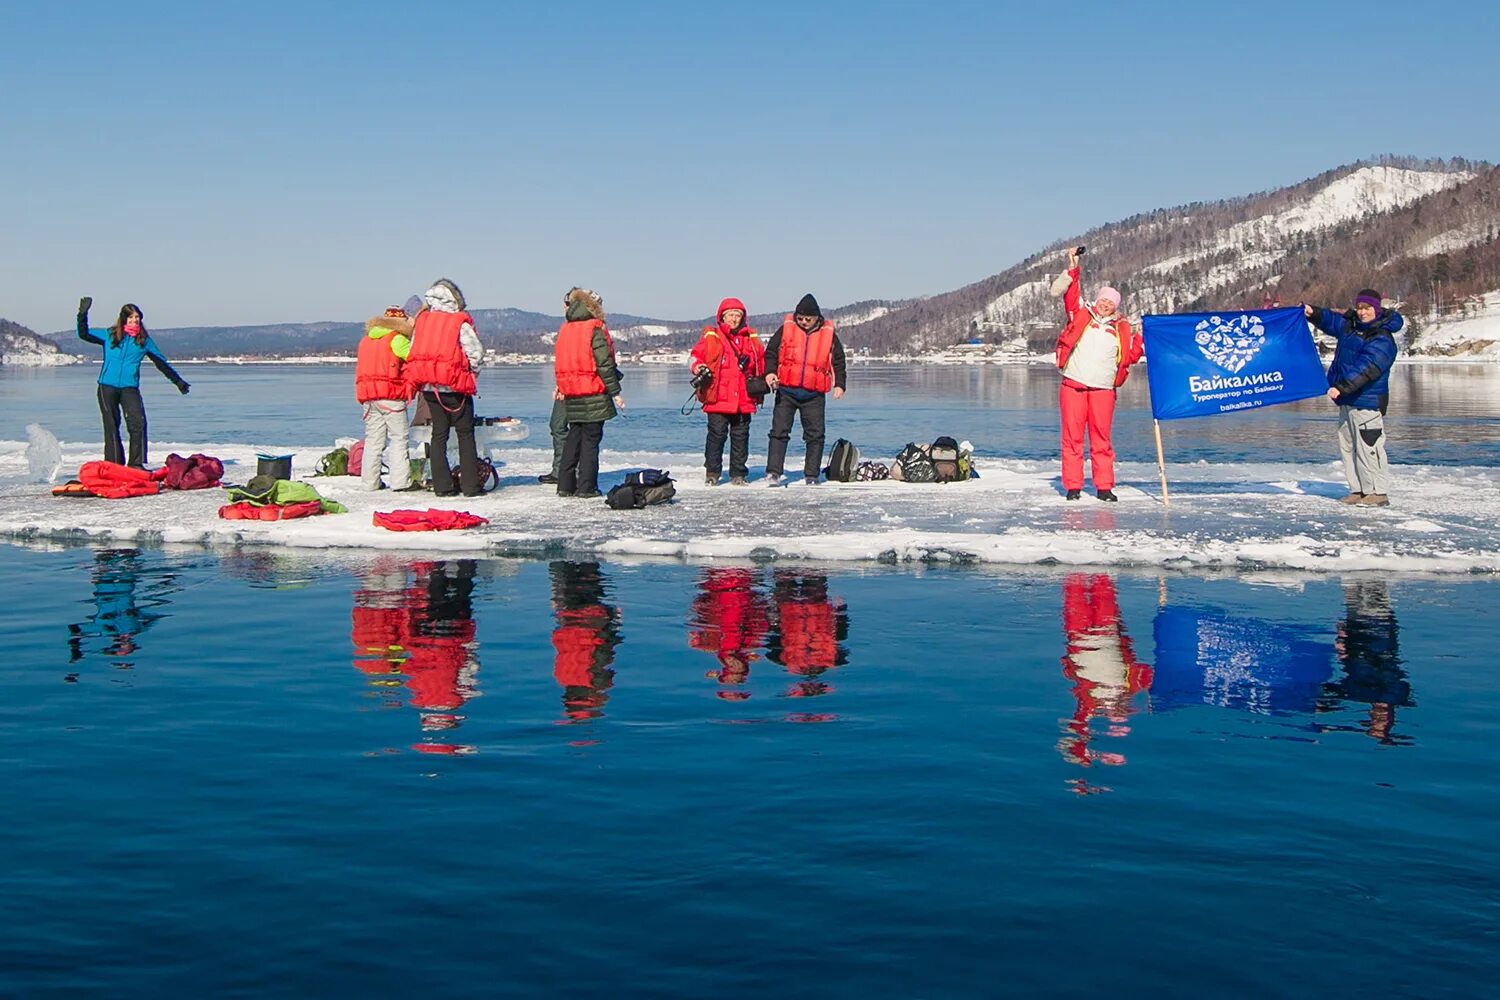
{"type": "Point", "coordinates": [1200, 364]}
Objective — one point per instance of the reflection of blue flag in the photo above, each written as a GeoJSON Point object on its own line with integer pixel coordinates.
{"type": "Point", "coordinates": [1206, 657]}
{"type": "Point", "coordinates": [1199, 364]}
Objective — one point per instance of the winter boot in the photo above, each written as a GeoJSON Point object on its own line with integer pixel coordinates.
{"type": "Point", "coordinates": [1353, 499]}
{"type": "Point", "coordinates": [1108, 496]}
{"type": "Point", "coordinates": [1375, 500]}
{"type": "Point", "coordinates": [1074, 494]}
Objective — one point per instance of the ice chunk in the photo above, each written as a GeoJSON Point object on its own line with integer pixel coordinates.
{"type": "Point", "coordinates": [43, 454]}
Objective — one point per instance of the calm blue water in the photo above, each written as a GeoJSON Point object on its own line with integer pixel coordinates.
{"type": "Point", "coordinates": [1440, 415]}
{"type": "Point", "coordinates": [234, 774]}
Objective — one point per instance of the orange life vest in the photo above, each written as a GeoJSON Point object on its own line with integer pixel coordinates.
{"type": "Point", "coordinates": [806, 359]}
{"type": "Point", "coordinates": [437, 357]}
{"type": "Point", "coordinates": [377, 371]}
{"type": "Point", "coordinates": [577, 374]}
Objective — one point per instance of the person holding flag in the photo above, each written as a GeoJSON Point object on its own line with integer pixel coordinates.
{"type": "Point", "coordinates": [1094, 353]}
{"type": "Point", "coordinates": [1359, 382]}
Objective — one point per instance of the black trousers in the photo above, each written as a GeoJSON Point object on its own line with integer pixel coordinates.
{"type": "Point", "coordinates": [111, 401]}
{"type": "Point", "coordinates": [453, 411]}
{"type": "Point", "coordinates": [736, 428]}
{"type": "Point", "coordinates": [812, 412]}
{"type": "Point", "coordinates": [580, 459]}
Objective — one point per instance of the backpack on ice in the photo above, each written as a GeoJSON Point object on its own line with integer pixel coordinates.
{"type": "Point", "coordinates": [843, 462]}
{"type": "Point", "coordinates": [642, 489]}
{"type": "Point", "coordinates": [871, 471]}
{"type": "Point", "coordinates": [945, 460]}
{"type": "Point", "coordinates": [356, 463]}
{"type": "Point", "coordinates": [335, 463]}
{"type": "Point", "coordinates": [914, 465]}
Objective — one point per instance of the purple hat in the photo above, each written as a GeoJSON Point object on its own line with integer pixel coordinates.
{"type": "Point", "coordinates": [1368, 297]}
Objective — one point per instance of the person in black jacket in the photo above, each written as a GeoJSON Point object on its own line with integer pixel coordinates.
{"type": "Point", "coordinates": [804, 362]}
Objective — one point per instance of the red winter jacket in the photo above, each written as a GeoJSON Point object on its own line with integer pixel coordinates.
{"type": "Point", "coordinates": [432, 519]}
{"type": "Point", "coordinates": [722, 351]}
{"type": "Point", "coordinates": [1080, 316]}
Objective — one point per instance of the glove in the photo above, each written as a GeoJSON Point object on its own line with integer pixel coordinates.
{"type": "Point", "coordinates": [183, 388]}
{"type": "Point", "coordinates": [84, 304]}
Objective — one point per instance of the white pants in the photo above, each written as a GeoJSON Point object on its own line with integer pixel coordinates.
{"type": "Point", "coordinates": [1362, 447]}
{"type": "Point", "coordinates": [385, 419]}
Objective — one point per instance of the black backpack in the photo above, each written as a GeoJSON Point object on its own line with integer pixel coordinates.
{"type": "Point", "coordinates": [944, 455]}
{"type": "Point", "coordinates": [914, 465]}
{"type": "Point", "coordinates": [843, 462]}
{"type": "Point", "coordinates": [642, 489]}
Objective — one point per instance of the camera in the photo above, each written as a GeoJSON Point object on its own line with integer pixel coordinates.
{"type": "Point", "coordinates": [702, 378]}
{"type": "Point", "coordinates": [1080, 250]}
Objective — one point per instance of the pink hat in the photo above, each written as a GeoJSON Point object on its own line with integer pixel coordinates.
{"type": "Point", "coordinates": [1110, 294]}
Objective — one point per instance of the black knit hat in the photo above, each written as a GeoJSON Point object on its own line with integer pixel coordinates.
{"type": "Point", "coordinates": [808, 307]}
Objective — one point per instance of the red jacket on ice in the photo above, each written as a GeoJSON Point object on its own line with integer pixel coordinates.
{"type": "Point", "coordinates": [1080, 317]}
{"type": "Point", "coordinates": [116, 482]}
{"type": "Point", "coordinates": [432, 519]}
{"type": "Point", "coordinates": [722, 351]}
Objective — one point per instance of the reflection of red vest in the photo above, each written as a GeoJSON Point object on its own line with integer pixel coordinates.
{"type": "Point", "coordinates": [809, 642]}
{"type": "Point", "coordinates": [377, 371]}
{"type": "Point", "coordinates": [730, 614]}
{"type": "Point", "coordinates": [806, 359]}
{"type": "Point", "coordinates": [577, 373]}
{"type": "Point", "coordinates": [437, 357]}
{"type": "Point", "coordinates": [377, 636]}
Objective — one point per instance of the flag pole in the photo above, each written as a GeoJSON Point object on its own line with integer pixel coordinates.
{"type": "Point", "coordinates": [1161, 464]}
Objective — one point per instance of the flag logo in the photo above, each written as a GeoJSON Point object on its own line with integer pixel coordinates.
{"type": "Point", "coordinates": [1231, 344]}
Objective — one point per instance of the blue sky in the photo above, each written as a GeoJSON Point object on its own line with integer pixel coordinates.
{"type": "Point", "coordinates": [259, 163]}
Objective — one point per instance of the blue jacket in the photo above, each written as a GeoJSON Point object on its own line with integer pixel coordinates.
{"type": "Point", "coordinates": [1362, 361]}
{"type": "Point", "coordinates": [122, 362]}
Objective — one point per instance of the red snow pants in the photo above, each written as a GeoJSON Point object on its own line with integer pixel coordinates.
{"type": "Point", "coordinates": [1092, 409]}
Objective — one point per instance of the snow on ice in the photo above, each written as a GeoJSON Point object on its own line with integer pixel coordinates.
{"type": "Point", "coordinates": [1241, 517]}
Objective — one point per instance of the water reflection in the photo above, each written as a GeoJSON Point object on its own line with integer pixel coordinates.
{"type": "Point", "coordinates": [1206, 656]}
{"type": "Point", "coordinates": [808, 629]}
{"type": "Point", "coordinates": [413, 625]}
{"type": "Point", "coordinates": [1100, 662]}
{"type": "Point", "coordinates": [1369, 652]}
{"type": "Point", "coordinates": [121, 613]}
{"type": "Point", "coordinates": [587, 632]}
{"type": "Point", "coordinates": [730, 620]}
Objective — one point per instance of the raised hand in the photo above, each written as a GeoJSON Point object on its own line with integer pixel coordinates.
{"type": "Point", "coordinates": [84, 304]}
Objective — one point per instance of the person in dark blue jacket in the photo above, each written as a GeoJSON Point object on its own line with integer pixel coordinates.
{"type": "Point", "coordinates": [125, 345]}
{"type": "Point", "coordinates": [1359, 382]}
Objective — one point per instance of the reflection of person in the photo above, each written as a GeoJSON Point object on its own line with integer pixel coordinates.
{"type": "Point", "coordinates": [588, 384]}
{"type": "Point", "coordinates": [1359, 382]}
{"type": "Point", "coordinates": [443, 362]}
{"type": "Point", "coordinates": [381, 621]}
{"type": "Point", "coordinates": [1370, 654]}
{"type": "Point", "coordinates": [587, 632]}
{"type": "Point", "coordinates": [384, 392]}
{"type": "Point", "coordinates": [1094, 353]}
{"type": "Point", "coordinates": [808, 630]}
{"type": "Point", "coordinates": [442, 662]}
{"type": "Point", "coordinates": [729, 619]}
{"type": "Point", "coordinates": [727, 354]}
{"type": "Point", "coordinates": [1100, 661]}
{"type": "Point", "coordinates": [805, 361]}
{"type": "Point", "coordinates": [118, 617]}
{"type": "Point", "coordinates": [126, 345]}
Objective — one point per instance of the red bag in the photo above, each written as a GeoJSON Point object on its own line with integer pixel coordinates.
{"type": "Point", "coordinates": [356, 458]}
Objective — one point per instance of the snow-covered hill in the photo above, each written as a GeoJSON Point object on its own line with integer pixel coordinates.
{"type": "Point", "coordinates": [21, 347]}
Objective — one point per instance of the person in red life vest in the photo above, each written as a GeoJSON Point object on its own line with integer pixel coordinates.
{"type": "Point", "coordinates": [1094, 353]}
{"type": "Point", "coordinates": [442, 364]}
{"type": "Point", "coordinates": [805, 361]}
{"type": "Point", "coordinates": [587, 632]}
{"type": "Point", "coordinates": [442, 662]}
{"type": "Point", "coordinates": [381, 387]}
{"type": "Point", "coordinates": [808, 630]}
{"type": "Point", "coordinates": [728, 354]}
{"type": "Point", "coordinates": [730, 621]}
{"type": "Point", "coordinates": [126, 345]}
{"type": "Point", "coordinates": [588, 382]}
{"type": "Point", "coordinates": [1100, 662]}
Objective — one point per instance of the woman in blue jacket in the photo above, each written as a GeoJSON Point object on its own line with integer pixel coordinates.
{"type": "Point", "coordinates": [125, 345]}
{"type": "Point", "coordinates": [1359, 382]}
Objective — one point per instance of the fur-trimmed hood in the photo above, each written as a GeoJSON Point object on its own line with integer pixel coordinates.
{"type": "Point", "coordinates": [587, 300]}
{"type": "Point", "coordinates": [444, 296]}
{"type": "Point", "coordinates": [395, 324]}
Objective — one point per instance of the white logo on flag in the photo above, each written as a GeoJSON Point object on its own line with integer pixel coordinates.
{"type": "Point", "coordinates": [1230, 343]}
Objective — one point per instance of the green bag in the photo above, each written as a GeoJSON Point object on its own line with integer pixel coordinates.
{"type": "Point", "coordinates": [335, 463]}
